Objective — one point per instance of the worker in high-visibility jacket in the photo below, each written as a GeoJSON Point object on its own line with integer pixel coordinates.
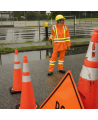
{"type": "Point", "coordinates": [61, 41]}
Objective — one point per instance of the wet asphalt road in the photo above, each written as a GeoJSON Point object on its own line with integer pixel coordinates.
{"type": "Point", "coordinates": [42, 84]}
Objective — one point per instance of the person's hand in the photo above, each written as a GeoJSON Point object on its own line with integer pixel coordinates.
{"type": "Point", "coordinates": [50, 40]}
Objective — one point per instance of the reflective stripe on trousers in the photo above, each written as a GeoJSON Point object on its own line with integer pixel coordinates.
{"type": "Point", "coordinates": [60, 60]}
{"type": "Point", "coordinates": [52, 62]}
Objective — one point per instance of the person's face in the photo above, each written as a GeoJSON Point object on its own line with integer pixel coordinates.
{"type": "Point", "coordinates": [62, 21]}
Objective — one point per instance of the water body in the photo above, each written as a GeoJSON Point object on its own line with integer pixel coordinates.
{"type": "Point", "coordinates": [38, 55]}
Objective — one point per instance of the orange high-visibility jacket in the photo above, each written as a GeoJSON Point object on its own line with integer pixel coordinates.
{"type": "Point", "coordinates": [60, 37]}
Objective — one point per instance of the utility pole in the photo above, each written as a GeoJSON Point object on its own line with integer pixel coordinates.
{"type": "Point", "coordinates": [13, 17]}
{"type": "Point", "coordinates": [79, 17]}
{"type": "Point", "coordinates": [74, 25]}
{"type": "Point", "coordinates": [39, 23]}
{"type": "Point", "coordinates": [91, 17]}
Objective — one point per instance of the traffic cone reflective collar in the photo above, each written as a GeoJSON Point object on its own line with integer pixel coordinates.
{"type": "Point", "coordinates": [27, 95]}
{"type": "Point", "coordinates": [17, 75]}
{"type": "Point", "coordinates": [92, 53]}
{"type": "Point", "coordinates": [87, 84]}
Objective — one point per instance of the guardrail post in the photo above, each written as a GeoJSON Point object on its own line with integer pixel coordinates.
{"type": "Point", "coordinates": [74, 25]}
{"type": "Point", "coordinates": [39, 23]}
{"type": "Point", "coordinates": [0, 60]}
{"type": "Point", "coordinates": [46, 29]}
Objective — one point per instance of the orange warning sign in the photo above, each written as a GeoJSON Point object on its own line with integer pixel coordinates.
{"type": "Point", "coordinates": [64, 96]}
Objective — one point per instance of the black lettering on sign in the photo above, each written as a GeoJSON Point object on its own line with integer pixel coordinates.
{"type": "Point", "coordinates": [57, 106]}
{"type": "Point", "coordinates": [62, 107]}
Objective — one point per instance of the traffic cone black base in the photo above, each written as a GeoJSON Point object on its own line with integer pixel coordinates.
{"type": "Point", "coordinates": [17, 106]}
{"type": "Point", "coordinates": [14, 92]}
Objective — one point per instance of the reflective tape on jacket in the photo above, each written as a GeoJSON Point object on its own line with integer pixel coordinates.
{"type": "Point", "coordinates": [60, 39]}
{"type": "Point", "coordinates": [51, 36]}
{"type": "Point", "coordinates": [89, 73]}
{"type": "Point", "coordinates": [55, 30]}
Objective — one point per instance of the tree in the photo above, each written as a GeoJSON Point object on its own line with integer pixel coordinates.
{"type": "Point", "coordinates": [18, 14]}
{"type": "Point", "coordinates": [33, 15]}
{"type": "Point", "coordinates": [54, 14]}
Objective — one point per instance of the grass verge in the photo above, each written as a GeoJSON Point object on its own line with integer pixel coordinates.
{"type": "Point", "coordinates": [7, 49]}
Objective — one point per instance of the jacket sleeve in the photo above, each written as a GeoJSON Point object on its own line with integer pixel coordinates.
{"type": "Point", "coordinates": [68, 42]}
{"type": "Point", "coordinates": [52, 36]}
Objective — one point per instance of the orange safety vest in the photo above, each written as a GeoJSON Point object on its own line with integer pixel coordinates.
{"type": "Point", "coordinates": [60, 37]}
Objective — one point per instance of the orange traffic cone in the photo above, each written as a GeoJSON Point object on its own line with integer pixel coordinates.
{"type": "Point", "coordinates": [87, 84]}
{"type": "Point", "coordinates": [17, 76]}
{"type": "Point", "coordinates": [27, 94]}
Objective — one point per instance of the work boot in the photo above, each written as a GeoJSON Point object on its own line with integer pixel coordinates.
{"type": "Point", "coordinates": [61, 71]}
{"type": "Point", "coordinates": [50, 73]}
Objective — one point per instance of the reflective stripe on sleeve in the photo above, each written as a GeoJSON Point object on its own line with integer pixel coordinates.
{"type": "Point", "coordinates": [55, 32]}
